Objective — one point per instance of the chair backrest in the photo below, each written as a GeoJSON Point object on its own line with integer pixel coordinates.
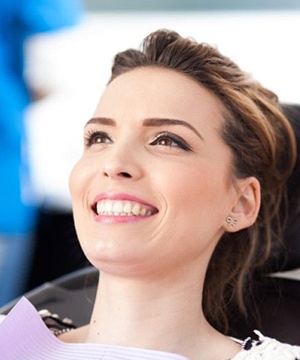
{"type": "Point", "coordinates": [69, 296]}
{"type": "Point", "coordinates": [292, 231]}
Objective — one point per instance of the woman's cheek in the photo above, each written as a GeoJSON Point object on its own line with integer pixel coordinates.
{"type": "Point", "coordinates": [73, 180]}
{"type": "Point", "coordinates": [78, 179]}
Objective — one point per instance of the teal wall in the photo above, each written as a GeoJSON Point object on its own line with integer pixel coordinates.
{"type": "Point", "coordinates": [188, 5]}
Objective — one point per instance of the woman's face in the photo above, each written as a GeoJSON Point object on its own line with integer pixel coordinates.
{"type": "Point", "coordinates": [154, 186]}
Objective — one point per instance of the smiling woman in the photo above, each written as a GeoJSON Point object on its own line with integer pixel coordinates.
{"type": "Point", "coordinates": [176, 201]}
{"type": "Point", "coordinates": [144, 158]}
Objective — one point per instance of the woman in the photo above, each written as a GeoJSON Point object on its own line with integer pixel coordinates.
{"type": "Point", "coordinates": [175, 200]}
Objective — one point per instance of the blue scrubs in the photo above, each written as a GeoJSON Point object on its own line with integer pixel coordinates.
{"type": "Point", "coordinates": [18, 20]}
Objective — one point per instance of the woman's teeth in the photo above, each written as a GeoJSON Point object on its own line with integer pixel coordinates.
{"type": "Point", "coordinates": [122, 208]}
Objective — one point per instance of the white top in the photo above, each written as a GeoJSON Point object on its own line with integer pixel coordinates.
{"type": "Point", "coordinates": [23, 335]}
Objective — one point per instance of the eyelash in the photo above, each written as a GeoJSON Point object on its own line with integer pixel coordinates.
{"type": "Point", "coordinates": [91, 138]}
{"type": "Point", "coordinates": [177, 140]}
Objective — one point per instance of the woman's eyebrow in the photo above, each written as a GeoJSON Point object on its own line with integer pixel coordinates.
{"type": "Point", "coordinates": [102, 121]}
{"type": "Point", "coordinates": [164, 121]}
{"type": "Point", "coordinates": [147, 122]}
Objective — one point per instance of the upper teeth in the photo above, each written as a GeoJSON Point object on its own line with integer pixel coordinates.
{"type": "Point", "coordinates": [122, 208]}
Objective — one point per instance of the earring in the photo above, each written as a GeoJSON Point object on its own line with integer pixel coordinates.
{"type": "Point", "coordinates": [231, 221]}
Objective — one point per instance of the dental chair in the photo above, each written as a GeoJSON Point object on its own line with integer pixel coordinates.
{"type": "Point", "coordinates": [73, 295]}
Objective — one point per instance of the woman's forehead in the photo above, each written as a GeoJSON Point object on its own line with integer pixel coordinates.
{"type": "Point", "coordinates": [159, 89]}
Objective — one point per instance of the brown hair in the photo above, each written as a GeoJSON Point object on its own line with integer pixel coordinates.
{"type": "Point", "coordinates": [263, 146]}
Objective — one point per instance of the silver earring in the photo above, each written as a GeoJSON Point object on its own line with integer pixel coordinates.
{"type": "Point", "coordinates": [231, 221]}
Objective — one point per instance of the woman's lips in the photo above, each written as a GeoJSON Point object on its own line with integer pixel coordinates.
{"type": "Point", "coordinates": [123, 206]}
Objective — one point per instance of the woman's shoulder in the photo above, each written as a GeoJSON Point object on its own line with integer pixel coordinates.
{"type": "Point", "coordinates": [268, 349]}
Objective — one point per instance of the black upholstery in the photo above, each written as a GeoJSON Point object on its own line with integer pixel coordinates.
{"type": "Point", "coordinates": [292, 231]}
{"type": "Point", "coordinates": [69, 296]}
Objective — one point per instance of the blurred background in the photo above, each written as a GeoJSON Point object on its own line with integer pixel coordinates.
{"type": "Point", "coordinates": [67, 69]}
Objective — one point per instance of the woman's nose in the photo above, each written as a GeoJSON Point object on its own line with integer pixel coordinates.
{"type": "Point", "coordinates": [122, 164]}
{"type": "Point", "coordinates": [112, 173]}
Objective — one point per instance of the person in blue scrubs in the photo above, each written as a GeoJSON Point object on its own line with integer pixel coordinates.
{"type": "Point", "coordinates": [18, 21]}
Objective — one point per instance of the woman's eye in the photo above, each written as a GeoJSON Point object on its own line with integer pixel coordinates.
{"type": "Point", "coordinates": [172, 141]}
{"type": "Point", "coordinates": [97, 137]}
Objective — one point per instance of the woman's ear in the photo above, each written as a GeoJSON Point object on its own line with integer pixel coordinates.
{"type": "Point", "coordinates": [245, 209]}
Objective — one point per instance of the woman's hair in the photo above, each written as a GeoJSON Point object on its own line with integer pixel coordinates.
{"type": "Point", "coordinates": [262, 144]}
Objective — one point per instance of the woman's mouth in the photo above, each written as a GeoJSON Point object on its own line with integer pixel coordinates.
{"type": "Point", "coordinates": [123, 208]}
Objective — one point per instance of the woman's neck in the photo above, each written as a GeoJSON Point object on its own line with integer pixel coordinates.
{"type": "Point", "coordinates": [164, 314]}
